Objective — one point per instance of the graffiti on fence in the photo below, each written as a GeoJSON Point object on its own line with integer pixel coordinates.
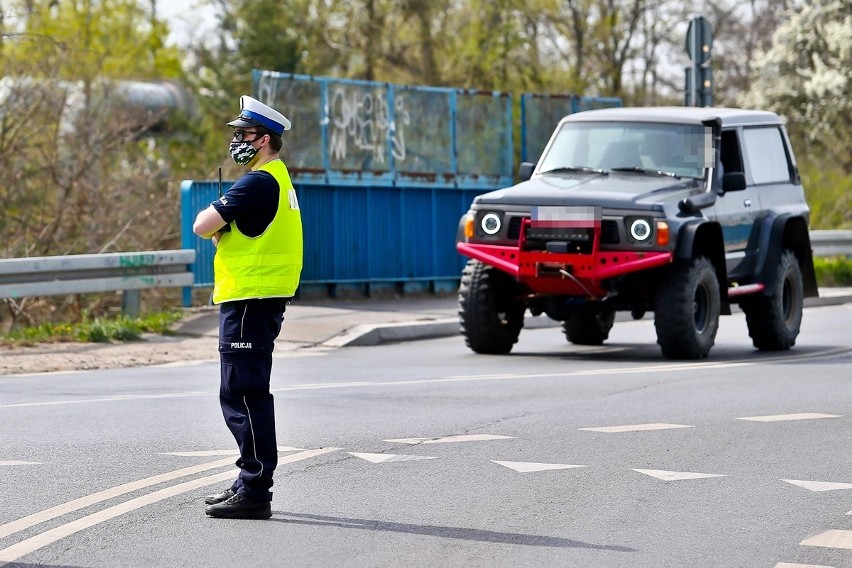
{"type": "Point", "coordinates": [361, 121]}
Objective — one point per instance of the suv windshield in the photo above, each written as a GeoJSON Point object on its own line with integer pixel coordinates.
{"type": "Point", "coordinates": [672, 149]}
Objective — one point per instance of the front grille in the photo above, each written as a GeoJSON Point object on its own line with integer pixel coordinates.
{"type": "Point", "coordinates": [576, 240]}
{"type": "Point", "coordinates": [513, 232]}
{"type": "Point", "coordinates": [609, 232]}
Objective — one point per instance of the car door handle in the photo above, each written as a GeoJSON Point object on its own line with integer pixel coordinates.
{"type": "Point", "coordinates": [747, 202]}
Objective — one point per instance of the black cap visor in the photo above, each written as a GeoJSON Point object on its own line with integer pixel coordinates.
{"type": "Point", "coordinates": [243, 123]}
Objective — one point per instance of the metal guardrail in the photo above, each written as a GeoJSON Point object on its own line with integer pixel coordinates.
{"type": "Point", "coordinates": [831, 243]}
{"type": "Point", "coordinates": [133, 271]}
{"type": "Point", "coordinates": [84, 273]}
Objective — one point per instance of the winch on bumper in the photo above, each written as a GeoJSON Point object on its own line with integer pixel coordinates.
{"type": "Point", "coordinates": [559, 250]}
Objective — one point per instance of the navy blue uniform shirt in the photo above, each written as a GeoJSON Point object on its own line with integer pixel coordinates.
{"type": "Point", "coordinates": [251, 202]}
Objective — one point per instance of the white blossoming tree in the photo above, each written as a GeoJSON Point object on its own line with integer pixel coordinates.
{"type": "Point", "coordinates": [805, 75]}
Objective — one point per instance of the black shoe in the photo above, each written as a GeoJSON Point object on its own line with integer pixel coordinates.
{"type": "Point", "coordinates": [240, 507]}
{"type": "Point", "coordinates": [219, 497]}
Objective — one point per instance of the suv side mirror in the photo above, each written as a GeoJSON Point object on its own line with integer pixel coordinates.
{"type": "Point", "coordinates": [525, 170]}
{"type": "Point", "coordinates": [734, 181]}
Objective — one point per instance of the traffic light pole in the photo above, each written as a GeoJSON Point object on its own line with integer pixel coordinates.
{"type": "Point", "coordinates": [692, 80]}
{"type": "Point", "coordinates": [699, 76]}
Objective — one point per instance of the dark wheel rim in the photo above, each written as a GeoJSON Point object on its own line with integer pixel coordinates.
{"type": "Point", "coordinates": [787, 299]}
{"type": "Point", "coordinates": [701, 308]}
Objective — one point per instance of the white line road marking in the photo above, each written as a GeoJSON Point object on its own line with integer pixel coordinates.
{"type": "Point", "coordinates": [526, 467]}
{"type": "Point", "coordinates": [232, 452]}
{"type": "Point", "coordinates": [203, 453]}
{"type": "Point", "coordinates": [41, 540]}
{"type": "Point", "coordinates": [16, 462]}
{"type": "Point", "coordinates": [830, 539]}
{"type": "Point", "coordinates": [636, 427]}
{"type": "Point", "coordinates": [32, 544]}
{"type": "Point", "coordinates": [655, 369]}
{"type": "Point", "coordinates": [41, 374]}
{"type": "Point", "coordinates": [109, 399]}
{"type": "Point", "coordinates": [676, 475]}
{"type": "Point", "coordinates": [450, 439]}
{"type": "Point", "coordinates": [188, 363]}
{"type": "Point", "coordinates": [819, 485]}
{"type": "Point", "coordinates": [76, 504]}
{"type": "Point", "coordinates": [386, 458]}
{"type": "Point", "coordinates": [792, 565]}
{"type": "Point", "coordinates": [783, 417]}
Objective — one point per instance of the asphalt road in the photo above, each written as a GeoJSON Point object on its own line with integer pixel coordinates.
{"type": "Point", "coordinates": [424, 454]}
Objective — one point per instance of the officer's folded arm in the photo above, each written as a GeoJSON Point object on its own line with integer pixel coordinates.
{"type": "Point", "coordinates": [208, 223]}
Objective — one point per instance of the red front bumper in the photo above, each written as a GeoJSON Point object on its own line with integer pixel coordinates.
{"type": "Point", "coordinates": [564, 273]}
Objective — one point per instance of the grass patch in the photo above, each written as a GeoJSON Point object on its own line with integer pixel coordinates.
{"type": "Point", "coordinates": [95, 330]}
{"type": "Point", "coordinates": [833, 271]}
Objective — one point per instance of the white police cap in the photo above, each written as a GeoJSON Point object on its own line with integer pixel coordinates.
{"type": "Point", "coordinates": [255, 113]}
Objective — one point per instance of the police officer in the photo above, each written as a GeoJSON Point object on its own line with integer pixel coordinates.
{"type": "Point", "coordinates": [257, 229]}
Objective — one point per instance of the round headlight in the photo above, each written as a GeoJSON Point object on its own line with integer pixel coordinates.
{"type": "Point", "coordinates": [490, 224]}
{"type": "Point", "coordinates": [640, 230]}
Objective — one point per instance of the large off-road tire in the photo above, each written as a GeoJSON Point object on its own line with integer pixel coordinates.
{"type": "Point", "coordinates": [686, 310]}
{"type": "Point", "coordinates": [589, 324]}
{"type": "Point", "coordinates": [490, 311]}
{"type": "Point", "coordinates": [774, 321]}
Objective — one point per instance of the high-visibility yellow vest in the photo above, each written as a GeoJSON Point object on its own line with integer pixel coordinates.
{"type": "Point", "coordinates": [266, 266]}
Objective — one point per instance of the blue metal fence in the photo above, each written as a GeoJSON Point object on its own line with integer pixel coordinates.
{"type": "Point", "coordinates": [383, 173]}
{"type": "Point", "coordinates": [365, 238]}
{"type": "Point", "coordinates": [541, 113]}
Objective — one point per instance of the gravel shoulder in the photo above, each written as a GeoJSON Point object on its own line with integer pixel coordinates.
{"type": "Point", "coordinates": [150, 350]}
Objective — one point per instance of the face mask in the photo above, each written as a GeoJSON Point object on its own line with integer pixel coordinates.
{"type": "Point", "coordinates": [242, 152]}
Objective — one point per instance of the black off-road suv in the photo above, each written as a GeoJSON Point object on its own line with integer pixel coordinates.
{"type": "Point", "coordinates": [677, 211]}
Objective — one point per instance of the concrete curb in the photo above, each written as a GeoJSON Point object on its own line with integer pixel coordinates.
{"type": "Point", "coordinates": [362, 335]}
{"type": "Point", "coordinates": [830, 297]}
{"type": "Point", "coordinates": [365, 335]}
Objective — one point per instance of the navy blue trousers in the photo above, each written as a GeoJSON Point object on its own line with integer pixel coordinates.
{"type": "Point", "coordinates": [247, 332]}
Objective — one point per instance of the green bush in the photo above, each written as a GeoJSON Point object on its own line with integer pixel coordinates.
{"type": "Point", "coordinates": [836, 271]}
{"type": "Point", "coordinates": [97, 330]}
{"type": "Point", "coordinates": [828, 190]}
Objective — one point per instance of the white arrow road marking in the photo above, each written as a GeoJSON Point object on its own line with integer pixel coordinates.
{"type": "Point", "coordinates": [676, 475]}
{"type": "Point", "coordinates": [830, 539]}
{"type": "Point", "coordinates": [232, 452]}
{"type": "Point", "coordinates": [783, 417]}
{"type": "Point", "coordinates": [32, 544]}
{"type": "Point", "coordinates": [636, 427]}
{"type": "Point", "coordinates": [819, 485]}
{"type": "Point", "coordinates": [16, 462]}
{"type": "Point", "coordinates": [385, 458]}
{"type": "Point", "coordinates": [792, 565]}
{"type": "Point", "coordinates": [526, 467]}
{"type": "Point", "coordinates": [449, 439]}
